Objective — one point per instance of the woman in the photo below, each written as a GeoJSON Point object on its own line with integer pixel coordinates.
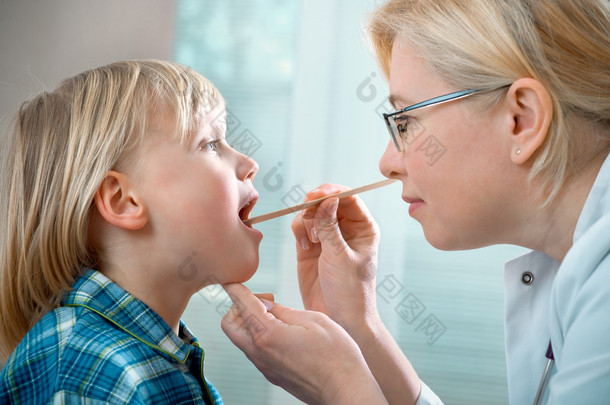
{"type": "Point", "coordinates": [518, 95]}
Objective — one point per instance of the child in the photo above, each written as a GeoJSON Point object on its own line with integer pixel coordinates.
{"type": "Point", "coordinates": [123, 199]}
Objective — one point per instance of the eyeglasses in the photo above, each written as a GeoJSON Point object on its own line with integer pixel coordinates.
{"type": "Point", "coordinates": [397, 121]}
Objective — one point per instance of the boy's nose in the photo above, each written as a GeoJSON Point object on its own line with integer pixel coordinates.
{"type": "Point", "coordinates": [247, 168]}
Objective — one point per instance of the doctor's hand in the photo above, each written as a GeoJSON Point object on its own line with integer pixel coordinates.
{"type": "Point", "coordinates": [304, 352]}
{"type": "Point", "coordinates": [337, 243]}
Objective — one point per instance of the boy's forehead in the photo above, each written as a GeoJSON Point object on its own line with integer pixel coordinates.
{"type": "Point", "coordinates": [211, 121]}
{"type": "Point", "coordinates": [213, 126]}
{"type": "Point", "coordinates": [161, 121]}
{"type": "Point", "coordinates": [168, 122]}
{"type": "Point", "coordinates": [219, 118]}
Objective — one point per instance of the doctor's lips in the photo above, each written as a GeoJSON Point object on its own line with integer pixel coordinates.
{"type": "Point", "coordinates": [409, 200]}
{"type": "Point", "coordinates": [414, 204]}
{"type": "Point", "coordinates": [244, 211]}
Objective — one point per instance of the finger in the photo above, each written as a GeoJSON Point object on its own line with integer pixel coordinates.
{"type": "Point", "coordinates": [311, 230]}
{"type": "Point", "coordinates": [305, 248]}
{"type": "Point", "coordinates": [250, 319]}
{"type": "Point", "coordinates": [324, 190]}
{"type": "Point", "coordinates": [243, 299]}
{"type": "Point", "coordinates": [351, 207]}
{"type": "Point", "coordinates": [232, 326]}
{"type": "Point", "coordinates": [305, 220]}
{"type": "Point", "coordinates": [295, 317]}
{"type": "Point", "coordinates": [327, 227]}
{"type": "Point", "coordinates": [265, 296]}
{"type": "Point", "coordinates": [319, 192]}
{"type": "Point", "coordinates": [267, 300]}
{"type": "Point", "coordinates": [300, 232]}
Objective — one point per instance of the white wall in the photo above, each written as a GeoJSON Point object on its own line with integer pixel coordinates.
{"type": "Point", "coordinates": [44, 41]}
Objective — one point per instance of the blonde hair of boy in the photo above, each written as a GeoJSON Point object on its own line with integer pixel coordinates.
{"type": "Point", "coordinates": [61, 147]}
{"type": "Point", "coordinates": [564, 44]}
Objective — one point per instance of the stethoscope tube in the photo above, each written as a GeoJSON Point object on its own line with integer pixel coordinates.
{"type": "Point", "coordinates": [545, 375]}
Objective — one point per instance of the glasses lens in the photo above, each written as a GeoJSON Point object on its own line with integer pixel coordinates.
{"type": "Point", "coordinates": [398, 128]}
{"type": "Point", "coordinates": [392, 129]}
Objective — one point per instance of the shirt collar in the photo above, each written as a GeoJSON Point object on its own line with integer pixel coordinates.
{"type": "Point", "coordinates": [598, 201]}
{"type": "Point", "coordinates": [98, 293]}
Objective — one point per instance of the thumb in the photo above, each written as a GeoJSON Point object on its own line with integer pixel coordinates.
{"type": "Point", "coordinates": [296, 317]}
{"type": "Point", "coordinates": [327, 228]}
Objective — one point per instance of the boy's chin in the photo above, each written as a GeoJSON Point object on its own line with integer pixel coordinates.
{"type": "Point", "coordinates": [247, 275]}
{"type": "Point", "coordinates": [243, 274]}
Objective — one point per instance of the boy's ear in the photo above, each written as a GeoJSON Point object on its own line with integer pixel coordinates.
{"type": "Point", "coordinates": [531, 110]}
{"type": "Point", "coordinates": [117, 202]}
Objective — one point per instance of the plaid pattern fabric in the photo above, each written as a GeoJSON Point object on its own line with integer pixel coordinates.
{"type": "Point", "coordinates": [103, 345]}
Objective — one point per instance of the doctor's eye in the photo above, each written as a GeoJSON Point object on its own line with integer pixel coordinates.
{"type": "Point", "coordinates": [402, 121]}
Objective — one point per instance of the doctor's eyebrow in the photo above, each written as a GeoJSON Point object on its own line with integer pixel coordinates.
{"type": "Point", "coordinates": [393, 98]}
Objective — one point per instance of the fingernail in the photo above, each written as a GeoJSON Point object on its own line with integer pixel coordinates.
{"type": "Point", "coordinates": [268, 304]}
{"type": "Point", "coordinates": [314, 235]}
{"type": "Point", "coordinates": [305, 243]}
{"type": "Point", "coordinates": [332, 208]}
{"type": "Point", "coordinates": [233, 312]}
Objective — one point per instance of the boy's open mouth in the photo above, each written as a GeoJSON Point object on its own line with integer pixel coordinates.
{"type": "Point", "coordinates": [244, 211]}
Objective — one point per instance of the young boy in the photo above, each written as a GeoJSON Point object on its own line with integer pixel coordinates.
{"type": "Point", "coordinates": [127, 200]}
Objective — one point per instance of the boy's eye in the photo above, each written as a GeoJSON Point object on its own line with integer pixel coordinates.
{"type": "Point", "coordinates": [209, 146]}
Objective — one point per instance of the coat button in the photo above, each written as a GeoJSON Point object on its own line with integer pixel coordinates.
{"type": "Point", "coordinates": [527, 278]}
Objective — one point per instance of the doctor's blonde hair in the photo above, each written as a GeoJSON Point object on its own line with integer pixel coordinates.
{"type": "Point", "coordinates": [479, 44]}
{"type": "Point", "coordinates": [62, 145]}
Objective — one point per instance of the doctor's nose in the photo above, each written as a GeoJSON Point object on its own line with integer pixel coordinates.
{"type": "Point", "coordinates": [391, 163]}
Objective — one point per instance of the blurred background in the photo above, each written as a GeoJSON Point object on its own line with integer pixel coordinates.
{"type": "Point", "coordinates": [304, 98]}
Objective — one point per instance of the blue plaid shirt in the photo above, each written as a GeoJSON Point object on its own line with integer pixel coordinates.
{"type": "Point", "coordinates": [103, 345]}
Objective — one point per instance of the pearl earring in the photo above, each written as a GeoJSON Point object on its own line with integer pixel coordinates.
{"type": "Point", "coordinates": [518, 151]}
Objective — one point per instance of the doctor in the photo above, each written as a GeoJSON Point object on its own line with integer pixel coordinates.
{"type": "Point", "coordinates": [518, 93]}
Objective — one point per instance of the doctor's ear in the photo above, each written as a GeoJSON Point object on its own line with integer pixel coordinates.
{"type": "Point", "coordinates": [118, 203]}
{"type": "Point", "coordinates": [531, 111]}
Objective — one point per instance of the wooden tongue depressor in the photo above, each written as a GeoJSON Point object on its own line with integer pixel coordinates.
{"type": "Point", "coordinates": [299, 207]}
